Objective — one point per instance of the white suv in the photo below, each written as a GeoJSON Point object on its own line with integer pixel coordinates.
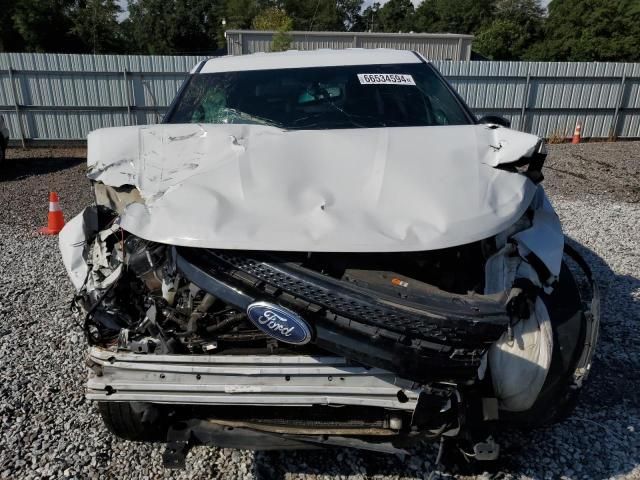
{"type": "Point", "coordinates": [325, 249]}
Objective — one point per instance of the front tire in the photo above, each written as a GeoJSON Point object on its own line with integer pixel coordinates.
{"type": "Point", "coordinates": [559, 394]}
{"type": "Point", "coordinates": [134, 420]}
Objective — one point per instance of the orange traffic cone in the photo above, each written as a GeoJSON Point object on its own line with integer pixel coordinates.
{"type": "Point", "coordinates": [56, 219]}
{"type": "Point", "coordinates": [576, 134]}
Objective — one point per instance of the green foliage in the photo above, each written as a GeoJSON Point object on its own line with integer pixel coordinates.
{"type": "Point", "coordinates": [173, 26]}
{"type": "Point", "coordinates": [349, 13]}
{"type": "Point", "coordinates": [274, 18]}
{"type": "Point", "coordinates": [45, 25]}
{"type": "Point", "coordinates": [501, 40]}
{"type": "Point", "coordinates": [240, 13]}
{"type": "Point", "coordinates": [10, 40]}
{"type": "Point", "coordinates": [574, 30]}
{"type": "Point", "coordinates": [369, 19]}
{"type": "Point", "coordinates": [316, 15]}
{"type": "Point", "coordinates": [396, 16]}
{"type": "Point", "coordinates": [95, 24]}
{"type": "Point", "coordinates": [517, 25]}
{"type": "Point", "coordinates": [590, 30]}
{"type": "Point", "coordinates": [281, 42]}
{"type": "Point", "coordinates": [453, 16]}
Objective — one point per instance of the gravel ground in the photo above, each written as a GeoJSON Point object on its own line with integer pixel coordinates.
{"type": "Point", "coordinates": [609, 170]}
{"type": "Point", "coordinates": [48, 430]}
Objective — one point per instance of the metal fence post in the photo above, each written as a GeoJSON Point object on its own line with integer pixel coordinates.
{"type": "Point", "coordinates": [17, 107]}
{"type": "Point", "coordinates": [525, 102]}
{"type": "Point", "coordinates": [613, 129]}
{"type": "Point", "coordinates": [125, 94]}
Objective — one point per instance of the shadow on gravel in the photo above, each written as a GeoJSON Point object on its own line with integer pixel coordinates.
{"type": "Point", "coordinates": [20, 167]}
{"type": "Point", "coordinates": [27, 176]}
{"type": "Point", "coordinates": [599, 440]}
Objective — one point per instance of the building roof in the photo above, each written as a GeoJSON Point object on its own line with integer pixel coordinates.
{"type": "Point", "coordinates": [308, 58]}
{"type": "Point", "coordinates": [358, 34]}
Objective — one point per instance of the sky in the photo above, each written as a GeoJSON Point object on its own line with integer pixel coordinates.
{"type": "Point", "coordinates": [125, 13]}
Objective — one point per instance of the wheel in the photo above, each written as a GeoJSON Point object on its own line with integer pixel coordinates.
{"type": "Point", "coordinates": [558, 396]}
{"type": "Point", "coordinates": [3, 152]}
{"type": "Point", "coordinates": [134, 421]}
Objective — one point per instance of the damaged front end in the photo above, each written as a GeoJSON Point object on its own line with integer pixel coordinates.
{"type": "Point", "coordinates": [274, 347]}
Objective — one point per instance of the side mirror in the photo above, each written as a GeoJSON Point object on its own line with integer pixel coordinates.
{"type": "Point", "coordinates": [496, 120]}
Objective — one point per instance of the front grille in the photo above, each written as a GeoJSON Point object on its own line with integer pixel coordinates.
{"type": "Point", "coordinates": [444, 340]}
{"type": "Point", "coordinates": [450, 324]}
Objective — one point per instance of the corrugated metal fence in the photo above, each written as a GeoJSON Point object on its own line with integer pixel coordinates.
{"type": "Point", "coordinates": [436, 46]}
{"type": "Point", "coordinates": [64, 97]}
{"type": "Point", "coordinates": [549, 98]}
{"type": "Point", "coordinates": [47, 97]}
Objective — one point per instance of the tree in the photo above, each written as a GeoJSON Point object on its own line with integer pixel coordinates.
{"type": "Point", "coordinates": [96, 25]}
{"type": "Point", "coordinates": [198, 23]}
{"type": "Point", "coordinates": [426, 17]}
{"type": "Point", "coordinates": [45, 25]}
{"type": "Point", "coordinates": [314, 15]}
{"type": "Point", "coordinates": [368, 21]}
{"type": "Point", "coordinates": [10, 40]}
{"type": "Point", "coordinates": [502, 39]}
{"type": "Point", "coordinates": [274, 18]}
{"type": "Point", "coordinates": [173, 26]}
{"type": "Point", "coordinates": [349, 13]}
{"type": "Point", "coordinates": [240, 13]}
{"type": "Point", "coordinates": [590, 30]}
{"type": "Point", "coordinates": [152, 24]}
{"type": "Point", "coordinates": [453, 16]}
{"type": "Point", "coordinates": [517, 25]}
{"type": "Point", "coordinates": [397, 16]}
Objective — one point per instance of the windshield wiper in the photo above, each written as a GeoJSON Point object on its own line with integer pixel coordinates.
{"type": "Point", "coordinates": [349, 119]}
{"type": "Point", "coordinates": [255, 118]}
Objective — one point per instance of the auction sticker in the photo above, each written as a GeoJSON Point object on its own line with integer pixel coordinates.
{"type": "Point", "coordinates": [385, 79]}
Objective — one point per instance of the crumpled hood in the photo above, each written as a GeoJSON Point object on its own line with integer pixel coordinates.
{"type": "Point", "coordinates": [261, 188]}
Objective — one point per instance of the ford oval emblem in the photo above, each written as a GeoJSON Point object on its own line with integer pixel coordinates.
{"type": "Point", "coordinates": [279, 323]}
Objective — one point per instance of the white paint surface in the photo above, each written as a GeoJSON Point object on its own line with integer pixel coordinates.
{"type": "Point", "coordinates": [309, 58]}
{"type": "Point", "coordinates": [357, 190]}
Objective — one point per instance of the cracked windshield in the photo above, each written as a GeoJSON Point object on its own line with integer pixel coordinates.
{"type": "Point", "coordinates": [362, 96]}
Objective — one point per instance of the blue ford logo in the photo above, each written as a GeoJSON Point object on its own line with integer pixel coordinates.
{"type": "Point", "coordinates": [279, 323]}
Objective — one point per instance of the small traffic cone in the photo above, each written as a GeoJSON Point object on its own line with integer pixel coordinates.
{"type": "Point", "coordinates": [56, 219]}
{"type": "Point", "coordinates": [576, 134]}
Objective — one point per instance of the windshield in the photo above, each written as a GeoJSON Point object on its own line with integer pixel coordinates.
{"type": "Point", "coordinates": [362, 96]}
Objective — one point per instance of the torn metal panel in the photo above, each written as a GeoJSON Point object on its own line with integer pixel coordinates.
{"type": "Point", "coordinates": [73, 245]}
{"type": "Point", "coordinates": [545, 238]}
{"type": "Point", "coordinates": [263, 188]}
{"type": "Point", "coordinates": [521, 358]}
{"type": "Point", "coordinates": [115, 198]}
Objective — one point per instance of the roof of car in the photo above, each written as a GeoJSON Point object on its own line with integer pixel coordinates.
{"type": "Point", "coordinates": [307, 58]}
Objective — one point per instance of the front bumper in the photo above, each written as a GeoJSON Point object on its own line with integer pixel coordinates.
{"type": "Point", "coordinates": [269, 380]}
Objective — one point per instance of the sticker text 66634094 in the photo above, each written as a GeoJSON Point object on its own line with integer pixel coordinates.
{"type": "Point", "coordinates": [385, 79]}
